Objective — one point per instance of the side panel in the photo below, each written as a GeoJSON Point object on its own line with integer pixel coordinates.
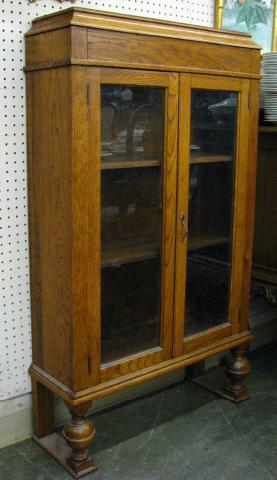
{"type": "Point", "coordinates": [250, 199]}
{"type": "Point", "coordinates": [49, 159]}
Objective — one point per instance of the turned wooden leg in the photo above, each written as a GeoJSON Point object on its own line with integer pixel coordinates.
{"type": "Point", "coordinates": [237, 367]}
{"type": "Point", "coordinates": [78, 433]}
{"type": "Point", "coordinates": [43, 411]}
{"type": "Point", "coordinates": [195, 370]}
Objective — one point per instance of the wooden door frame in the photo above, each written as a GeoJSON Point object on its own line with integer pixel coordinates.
{"type": "Point", "coordinates": [117, 76]}
{"type": "Point", "coordinates": [242, 86]}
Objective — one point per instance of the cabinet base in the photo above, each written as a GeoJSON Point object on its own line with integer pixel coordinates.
{"type": "Point", "coordinates": [60, 451]}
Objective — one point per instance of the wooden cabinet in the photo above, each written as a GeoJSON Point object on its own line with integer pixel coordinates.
{"type": "Point", "coordinates": [142, 142]}
{"type": "Point", "coordinates": [265, 238]}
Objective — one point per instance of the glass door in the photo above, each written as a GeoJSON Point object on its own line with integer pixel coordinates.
{"type": "Point", "coordinates": [211, 208]}
{"type": "Point", "coordinates": [137, 161]}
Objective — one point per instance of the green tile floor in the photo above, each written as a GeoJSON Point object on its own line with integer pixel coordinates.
{"type": "Point", "coordinates": [181, 432]}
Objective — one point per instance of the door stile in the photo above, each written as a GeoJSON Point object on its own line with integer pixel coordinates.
{"type": "Point", "coordinates": [93, 296]}
{"type": "Point", "coordinates": [169, 213]}
{"type": "Point", "coordinates": [182, 211]}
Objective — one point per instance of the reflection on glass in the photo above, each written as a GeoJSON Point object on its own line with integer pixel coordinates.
{"type": "Point", "coordinates": [211, 192]}
{"type": "Point", "coordinates": [131, 219]}
{"type": "Point", "coordinates": [131, 124]}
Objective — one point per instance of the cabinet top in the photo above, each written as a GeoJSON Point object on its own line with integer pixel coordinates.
{"type": "Point", "coordinates": [82, 17]}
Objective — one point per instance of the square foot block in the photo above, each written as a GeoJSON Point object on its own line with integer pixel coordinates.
{"type": "Point", "coordinates": [60, 451]}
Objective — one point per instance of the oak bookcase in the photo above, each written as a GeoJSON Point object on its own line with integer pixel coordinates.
{"type": "Point", "coordinates": [141, 151]}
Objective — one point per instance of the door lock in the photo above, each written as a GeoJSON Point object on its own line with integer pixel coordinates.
{"type": "Point", "coordinates": [184, 225]}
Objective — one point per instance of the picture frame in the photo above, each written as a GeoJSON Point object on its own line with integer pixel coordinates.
{"type": "Point", "coordinates": [257, 17]}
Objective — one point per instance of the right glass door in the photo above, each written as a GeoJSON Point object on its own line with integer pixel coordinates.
{"type": "Point", "coordinates": [212, 168]}
{"type": "Point", "coordinates": [210, 208]}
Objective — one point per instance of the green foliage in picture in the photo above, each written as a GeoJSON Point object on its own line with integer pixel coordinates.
{"type": "Point", "coordinates": [252, 12]}
{"type": "Point", "coordinates": [257, 17]}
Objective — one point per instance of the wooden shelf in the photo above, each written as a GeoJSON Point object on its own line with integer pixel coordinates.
{"type": "Point", "coordinates": [129, 251]}
{"type": "Point", "coordinates": [120, 253]}
{"type": "Point", "coordinates": [213, 127]}
{"type": "Point", "coordinates": [117, 164]}
{"type": "Point", "coordinates": [201, 241]}
{"type": "Point", "coordinates": [195, 158]}
{"type": "Point", "coordinates": [268, 129]}
{"type": "Point", "coordinates": [200, 158]}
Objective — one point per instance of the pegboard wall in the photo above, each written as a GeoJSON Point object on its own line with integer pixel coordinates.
{"type": "Point", "coordinates": [16, 16]}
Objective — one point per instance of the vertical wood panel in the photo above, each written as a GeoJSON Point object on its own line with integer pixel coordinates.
{"type": "Point", "coordinates": [94, 209]}
{"type": "Point", "coordinates": [182, 207]}
{"type": "Point", "coordinates": [83, 195]}
{"type": "Point", "coordinates": [34, 245]}
{"type": "Point", "coordinates": [169, 214]}
{"type": "Point", "coordinates": [239, 213]}
{"type": "Point", "coordinates": [250, 200]}
{"type": "Point", "coordinates": [43, 409]}
{"type": "Point", "coordinates": [51, 234]}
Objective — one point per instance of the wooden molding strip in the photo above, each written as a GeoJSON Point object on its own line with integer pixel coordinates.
{"type": "Point", "coordinates": [85, 62]}
{"type": "Point", "coordinates": [89, 11]}
{"type": "Point", "coordinates": [139, 25]}
{"type": "Point", "coordinates": [107, 388]}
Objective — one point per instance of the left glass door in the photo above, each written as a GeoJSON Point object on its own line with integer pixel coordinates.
{"type": "Point", "coordinates": [136, 156]}
{"type": "Point", "coordinates": [132, 149]}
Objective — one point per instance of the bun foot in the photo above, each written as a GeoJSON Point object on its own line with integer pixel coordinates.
{"type": "Point", "coordinates": [237, 367]}
{"type": "Point", "coordinates": [78, 433]}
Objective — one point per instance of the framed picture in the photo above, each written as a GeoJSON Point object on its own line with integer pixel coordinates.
{"type": "Point", "coordinates": [257, 17]}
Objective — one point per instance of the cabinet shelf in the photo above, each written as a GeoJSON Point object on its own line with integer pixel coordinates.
{"type": "Point", "coordinates": [201, 241]}
{"type": "Point", "coordinates": [129, 251]}
{"type": "Point", "coordinates": [213, 127]}
{"type": "Point", "coordinates": [117, 164]}
{"type": "Point", "coordinates": [146, 248]}
{"type": "Point", "coordinates": [200, 158]}
{"type": "Point", "coordinates": [268, 129]}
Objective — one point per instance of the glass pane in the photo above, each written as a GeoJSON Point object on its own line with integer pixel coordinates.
{"type": "Point", "coordinates": [211, 192]}
{"type": "Point", "coordinates": [132, 135]}
{"type": "Point", "coordinates": [132, 122]}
